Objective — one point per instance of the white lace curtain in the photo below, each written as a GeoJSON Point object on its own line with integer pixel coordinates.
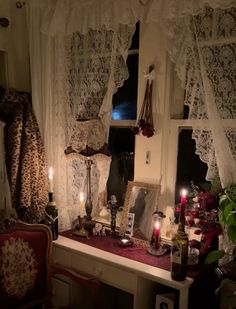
{"type": "Point", "coordinates": [78, 53]}
{"type": "Point", "coordinates": [82, 68]}
{"type": "Point", "coordinates": [201, 39]}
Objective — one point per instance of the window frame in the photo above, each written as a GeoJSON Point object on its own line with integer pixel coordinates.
{"type": "Point", "coordinates": [175, 126]}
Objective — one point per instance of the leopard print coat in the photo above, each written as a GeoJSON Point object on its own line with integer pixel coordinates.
{"type": "Point", "coordinates": [25, 157]}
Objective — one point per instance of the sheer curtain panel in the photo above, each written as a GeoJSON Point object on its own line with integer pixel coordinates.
{"type": "Point", "coordinates": [77, 65]}
{"type": "Point", "coordinates": [201, 42]}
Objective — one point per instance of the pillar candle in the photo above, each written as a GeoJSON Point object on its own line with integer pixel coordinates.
{"type": "Point", "coordinates": [50, 177]}
{"type": "Point", "coordinates": [183, 197]}
{"type": "Point", "coordinates": [81, 204]}
{"type": "Point", "coordinates": [157, 234]}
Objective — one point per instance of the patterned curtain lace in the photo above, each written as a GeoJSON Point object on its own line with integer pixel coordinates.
{"type": "Point", "coordinates": [210, 89]}
{"type": "Point", "coordinates": [201, 39]}
{"type": "Point", "coordinates": [87, 70]}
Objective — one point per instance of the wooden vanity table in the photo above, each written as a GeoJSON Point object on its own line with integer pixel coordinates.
{"type": "Point", "coordinates": [141, 280]}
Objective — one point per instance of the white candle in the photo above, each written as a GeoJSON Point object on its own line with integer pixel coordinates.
{"type": "Point", "coordinates": [50, 177]}
{"type": "Point", "coordinates": [81, 204]}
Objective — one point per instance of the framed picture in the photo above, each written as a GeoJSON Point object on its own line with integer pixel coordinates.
{"type": "Point", "coordinates": [141, 199]}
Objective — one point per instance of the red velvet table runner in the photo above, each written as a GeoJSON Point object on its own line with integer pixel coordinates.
{"type": "Point", "coordinates": [136, 252]}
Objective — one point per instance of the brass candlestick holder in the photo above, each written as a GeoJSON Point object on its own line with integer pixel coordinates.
{"type": "Point", "coordinates": [79, 228]}
{"type": "Point", "coordinates": [89, 223]}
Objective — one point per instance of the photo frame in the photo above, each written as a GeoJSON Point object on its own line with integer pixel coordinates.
{"type": "Point", "coordinates": [142, 200]}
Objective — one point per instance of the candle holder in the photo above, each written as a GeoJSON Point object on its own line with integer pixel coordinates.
{"type": "Point", "coordinates": [155, 247]}
{"type": "Point", "coordinates": [113, 206]}
{"type": "Point", "coordinates": [89, 223]}
{"type": "Point", "coordinates": [126, 241]}
{"type": "Point", "coordinates": [79, 228]}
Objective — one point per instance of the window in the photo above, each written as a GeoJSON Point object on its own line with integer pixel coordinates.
{"type": "Point", "coordinates": [185, 164]}
{"type": "Point", "coordinates": [121, 136]}
{"type": "Point", "coordinates": [189, 166]}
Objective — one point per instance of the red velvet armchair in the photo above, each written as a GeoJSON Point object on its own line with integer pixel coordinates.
{"type": "Point", "coordinates": [25, 268]}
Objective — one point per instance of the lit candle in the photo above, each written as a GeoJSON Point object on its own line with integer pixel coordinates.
{"type": "Point", "coordinates": [81, 204]}
{"type": "Point", "coordinates": [50, 177]}
{"type": "Point", "coordinates": [124, 241]}
{"type": "Point", "coordinates": [157, 234]}
{"type": "Point", "coordinates": [183, 197]}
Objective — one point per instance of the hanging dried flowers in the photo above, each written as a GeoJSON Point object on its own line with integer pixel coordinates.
{"type": "Point", "coordinates": [145, 119]}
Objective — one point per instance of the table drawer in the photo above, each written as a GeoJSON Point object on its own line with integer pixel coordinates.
{"type": "Point", "coordinates": [61, 257]}
{"type": "Point", "coordinates": [105, 272]}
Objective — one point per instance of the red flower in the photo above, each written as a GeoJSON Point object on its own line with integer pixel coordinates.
{"type": "Point", "coordinates": [207, 201]}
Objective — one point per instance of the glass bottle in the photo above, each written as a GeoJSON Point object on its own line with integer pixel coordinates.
{"type": "Point", "coordinates": [51, 216]}
{"type": "Point", "coordinates": [179, 251]}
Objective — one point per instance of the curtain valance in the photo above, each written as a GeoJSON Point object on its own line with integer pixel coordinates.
{"type": "Point", "coordinates": [171, 10]}
{"type": "Point", "coordinates": [69, 16]}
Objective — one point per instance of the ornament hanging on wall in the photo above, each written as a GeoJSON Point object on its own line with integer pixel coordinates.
{"type": "Point", "coordinates": [145, 119]}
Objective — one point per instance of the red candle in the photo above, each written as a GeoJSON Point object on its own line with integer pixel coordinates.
{"type": "Point", "coordinates": [157, 234]}
{"type": "Point", "coordinates": [183, 197]}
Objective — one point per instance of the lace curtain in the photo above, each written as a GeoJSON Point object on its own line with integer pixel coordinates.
{"type": "Point", "coordinates": [201, 39]}
{"type": "Point", "coordinates": [70, 16]}
{"type": "Point", "coordinates": [78, 53]}
{"type": "Point", "coordinates": [89, 69]}
{"type": "Point", "coordinates": [211, 89]}
{"type": "Point", "coordinates": [83, 70]}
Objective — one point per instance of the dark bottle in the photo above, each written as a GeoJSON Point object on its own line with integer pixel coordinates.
{"type": "Point", "coordinates": [51, 216]}
{"type": "Point", "coordinates": [179, 251]}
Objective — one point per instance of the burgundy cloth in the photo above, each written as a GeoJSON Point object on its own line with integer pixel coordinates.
{"type": "Point", "coordinates": [38, 242]}
{"type": "Point", "coordinates": [136, 252]}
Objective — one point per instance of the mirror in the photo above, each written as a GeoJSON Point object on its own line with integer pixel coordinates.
{"type": "Point", "coordinates": [140, 199]}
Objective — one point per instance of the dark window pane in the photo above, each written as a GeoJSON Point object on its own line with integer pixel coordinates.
{"type": "Point", "coordinates": [125, 99]}
{"type": "Point", "coordinates": [135, 38]}
{"type": "Point", "coordinates": [186, 111]}
{"type": "Point", "coordinates": [189, 166]}
{"type": "Point", "coordinates": [121, 144]}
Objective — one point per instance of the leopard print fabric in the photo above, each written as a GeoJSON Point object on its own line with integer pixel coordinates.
{"type": "Point", "coordinates": [25, 157]}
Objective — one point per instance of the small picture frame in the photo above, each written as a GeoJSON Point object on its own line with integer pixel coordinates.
{"type": "Point", "coordinates": [141, 199]}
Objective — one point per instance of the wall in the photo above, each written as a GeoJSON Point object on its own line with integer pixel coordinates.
{"type": "Point", "coordinates": [153, 51]}
{"type": "Point", "coordinates": [14, 70]}
{"type": "Point", "coordinates": [14, 42]}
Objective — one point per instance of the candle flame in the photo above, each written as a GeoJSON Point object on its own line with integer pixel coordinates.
{"type": "Point", "coordinates": [184, 192]}
{"type": "Point", "coordinates": [124, 240]}
{"type": "Point", "coordinates": [157, 224]}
